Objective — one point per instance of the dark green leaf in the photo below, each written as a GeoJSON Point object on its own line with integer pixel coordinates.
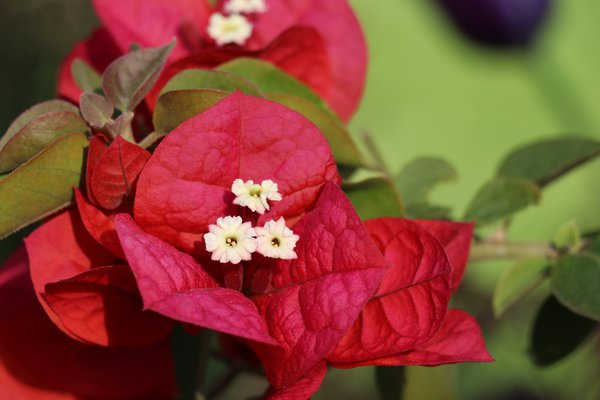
{"type": "Point", "coordinates": [342, 145]}
{"type": "Point", "coordinates": [557, 332]}
{"type": "Point", "coordinates": [374, 197]}
{"type": "Point", "coordinates": [86, 77]}
{"type": "Point", "coordinates": [427, 211]}
{"type": "Point", "coordinates": [594, 246]}
{"type": "Point", "coordinates": [517, 281]}
{"type": "Point", "coordinates": [43, 185]}
{"type": "Point", "coordinates": [419, 177]}
{"type": "Point", "coordinates": [390, 382]}
{"type": "Point", "coordinates": [270, 79]}
{"type": "Point", "coordinates": [185, 349]}
{"type": "Point", "coordinates": [209, 79]}
{"type": "Point", "coordinates": [576, 284]}
{"type": "Point", "coordinates": [546, 161]}
{"type": "Point", "coordinates": [178, 106]}
{"type": "Point", "coordinates": [129, 78]}
{"type": "Point", "coordinates": [95, 109]}
{"type": "Point", "coordinates": [36, 135]}
{"type": "Point", "coordinates": [501, 198]}
{"type": "Point", "coordinates": [34, 112]}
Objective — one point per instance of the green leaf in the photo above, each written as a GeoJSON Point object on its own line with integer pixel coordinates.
{"type": "Point", "coordinates": [95, 109]}
{"type": "Point", "coordinates": [418, 178]}
{"type": "Point", "coordinates": [501, 198]}
{"type": "Point", "coordinates": [568, 237]}
{"type": "Point", "coordinates": [427, 211]}
{"type": "Point", "coordinates": [36, 135]}
{"type": "Point", "coordinates": [86, 77]}
{"type": "Point", "coordinates": [185, 349]}
{"type": "Point", "coordinates": [576, 284]}
{"type": "Point", "coordinates": [557, 332]}
{"type": "Point", "coordinates": [270, 79]}
{"type": "Point", "coordinates": [374, 197]}
{"type": "Point", "coordinates": [178, 106]}
{"type": "Point", "coordinates": [210, 79]}
{"type": "Point", "coordinates": [517, 281]}
{"type": "Point", "coordinates": [342, 145]}
{"type": "Point", "coordinates": [34, 112]}
{"type": "Point", "coordinates": [390, 382]}
{"type": "Point", "coordinates": [43, 185]}
{"type": "Point", "coordinates": [128, 79]}
{"type": "Point", "coordinates": [548, 160]}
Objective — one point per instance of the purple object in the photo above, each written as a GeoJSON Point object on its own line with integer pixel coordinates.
{"type": "Point", "coordinates": [498, 23]}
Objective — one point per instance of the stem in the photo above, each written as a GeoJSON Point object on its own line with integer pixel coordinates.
{"type": "Point", "coordinates": [485, 251]}
{"type": "Point", "coordinates": [151, 139]}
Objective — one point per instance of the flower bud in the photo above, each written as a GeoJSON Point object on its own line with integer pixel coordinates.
{"type": "Point", "coordinates": [498, 23]}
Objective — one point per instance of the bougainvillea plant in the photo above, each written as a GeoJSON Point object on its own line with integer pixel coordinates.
{"type": "Point", "coordinates": [209, 185]}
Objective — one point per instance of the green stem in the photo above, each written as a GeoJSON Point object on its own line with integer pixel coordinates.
{"type": "Point", "coordinates": [486, 251]}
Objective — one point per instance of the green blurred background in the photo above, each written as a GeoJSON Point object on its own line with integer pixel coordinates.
{"type": "Point", "coordinates": [429, 92]}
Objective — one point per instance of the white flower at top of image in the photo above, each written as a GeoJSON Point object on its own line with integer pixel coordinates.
{"type": "Point", "coordinates": [231, 240]}
{"type": "Point", "coordinates": [254, 196]}
{"type": "Point", "coordinates": [245, 6]}
{"type": "Point", "coordinates": [234, 28]}
{"type": "Point", "coordinates": [276, 240]}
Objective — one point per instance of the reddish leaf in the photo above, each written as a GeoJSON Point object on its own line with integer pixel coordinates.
{"type": "Point", "coordinates": [102, 306]}
{"type": "Point", "coordinates": [302, 389]}
{"type": "Point", "coordinates": [342, 34]}
{"type": "Point", "coordinates": [186, 184]}
{"type": "Point", "coordinates": [37, 361]}
{"type": "Point", "coordinates": [458, 340]}
{"type": "Point", "coordinates": [411, 302]}
{"type": "Point", "coordinates": [99, 225]}
{"type": "Point", "coordinates": [456, 239]}
{"type": "Point", "coordinates": [116, 172]}
{"type": "Point", "coordinates": [153, 23]}
{"type": "Point", "coordinates": [98, 51]}
{"type": "Point", "coordinates": [315, 299]}
{"type": "Point", "coordinates": [173, 284]}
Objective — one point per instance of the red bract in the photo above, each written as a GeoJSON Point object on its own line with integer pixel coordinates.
{"type": "Point", "coordinates": [358, 294]}
{"type": "Point", "coordinates": [38, 361]}
{"type": "Point", "coordinates": [419, 283]}
{"type": "Point", "coordinates": [319, 42]}
{"type": "Point", "coordinates": [81, 278]}
{"type": "Point", "coordinates": [86, 291]}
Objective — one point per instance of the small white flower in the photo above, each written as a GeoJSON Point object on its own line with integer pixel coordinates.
{"type": "Point", "coordinates": [229, 29]}
{"type": "Point", "coordinates": [245, 6]}
{"type": "Point", "coordinates": [255, 196]}
{"type": "Point", "coordinates": [276, 240]}
{"type": "Point", "coordinates": [231, 240]}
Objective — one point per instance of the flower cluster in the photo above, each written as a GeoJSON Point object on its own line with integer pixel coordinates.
{"type": "Point", "coordinates": [109, 273]}
{"type": "Point", "coordinates": [232, 240]}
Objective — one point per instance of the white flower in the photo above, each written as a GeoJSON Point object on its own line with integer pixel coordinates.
{"type": "Point", "coordinates": [245, 6]}
{"type": "Point", "coordinates": [229, 29]}
{"type": "Point", "coordinates": [276, 240]}
{"type": "Point", "coordinates": [255, 196]}
{"type": "Point", "coordinates": [231, 240]}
